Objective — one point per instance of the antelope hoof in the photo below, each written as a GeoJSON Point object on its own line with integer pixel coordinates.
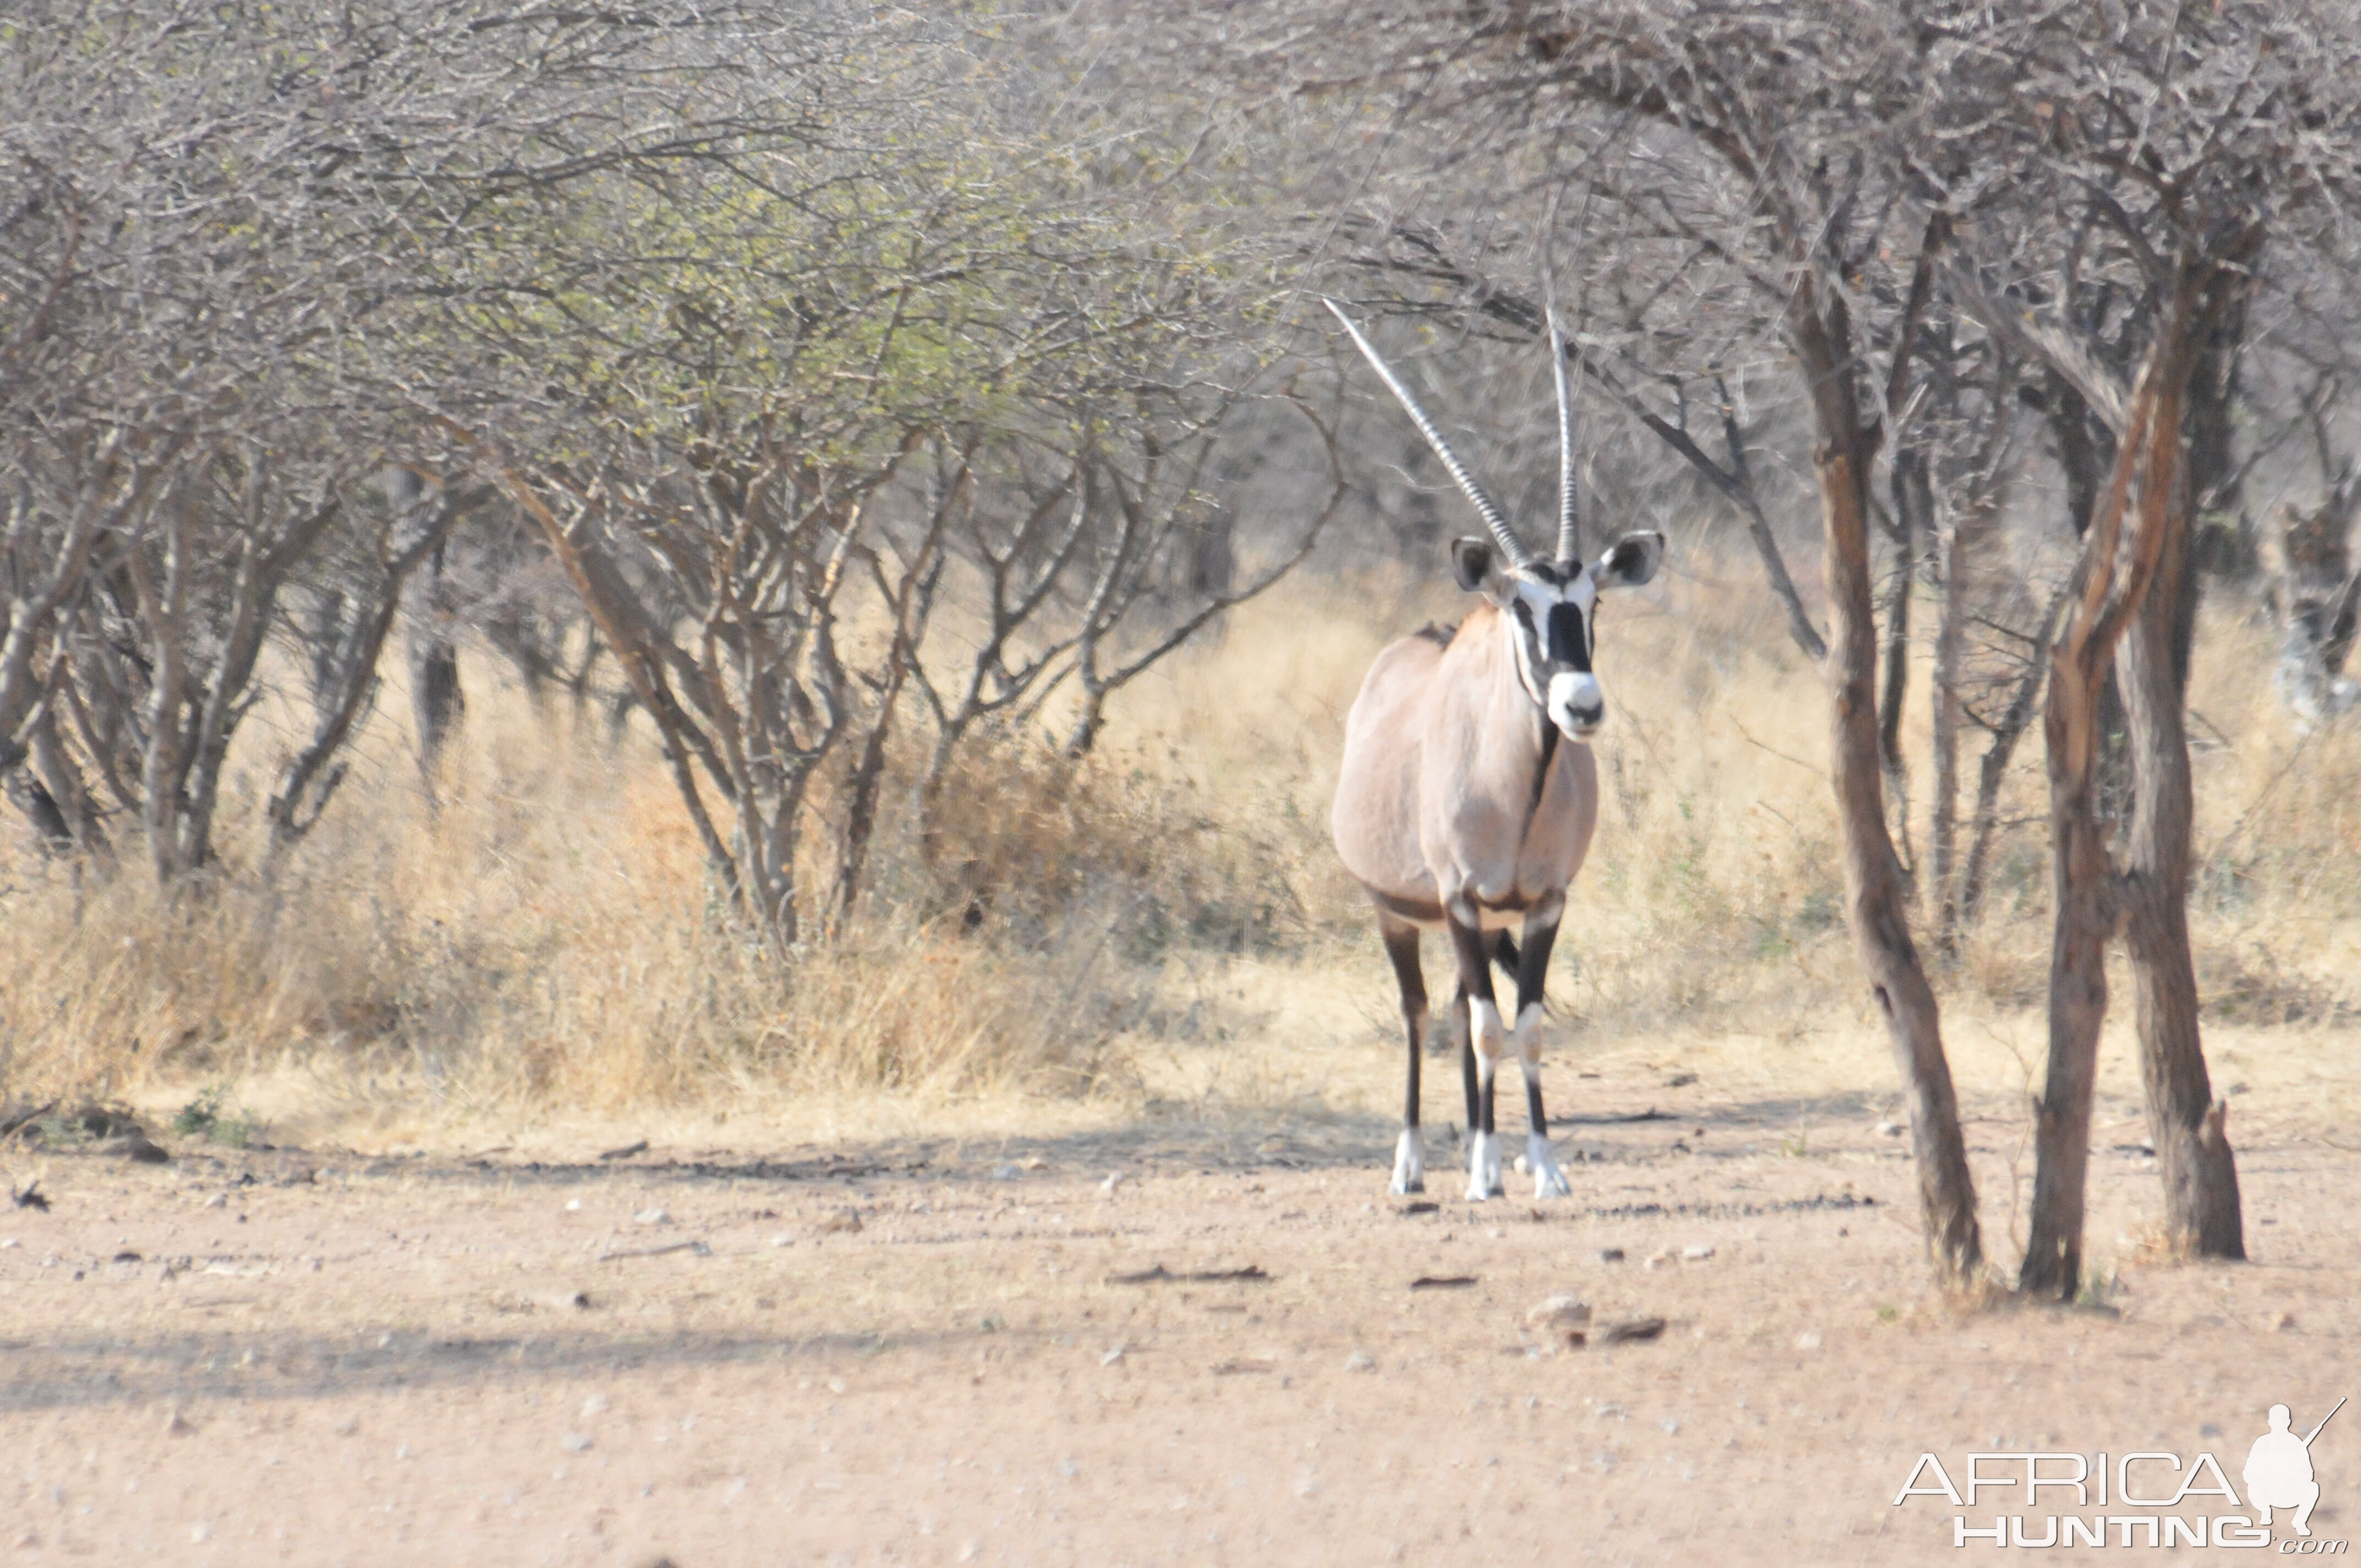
{"type": "Point", "coordinates": [1549, 1181]}
{"type": "Point", "coordinates": [1482, 1167]}
{"type": "Point", "coordinates": [1409, 1166]}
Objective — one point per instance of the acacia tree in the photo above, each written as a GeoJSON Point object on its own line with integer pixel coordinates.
{"type": "Point", "coordinates": [779, 391]}
{"type": "Point", "coordinates": [2131, 554]}
{"type": "Point", "coordinates": [227, 258]}
{"type": "Point", "coordinates": [185, 417]}
{"type": "Point", "coordinates": [2165, 149]}
{"type": "Point", "coordinates": [157, 664]}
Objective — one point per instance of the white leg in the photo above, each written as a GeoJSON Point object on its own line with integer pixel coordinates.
{"type": "Point", "coordinates": [1410, 1164]}
{"type": "Point", "coordinates": [1549, 1181]}
{"type": "Point", "coordinates": [1489, 1037]}
{"type": "Point", "coordinates": [1482, 1167]}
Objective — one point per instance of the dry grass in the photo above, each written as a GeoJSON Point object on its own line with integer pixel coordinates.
{"type": "Point", "coordinates": [1165, 924]}
{"type": "Point", "coordinates": [549, 938]}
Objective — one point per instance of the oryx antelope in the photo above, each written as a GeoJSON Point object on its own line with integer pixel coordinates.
{"type": "Point", "coordinates": [1467, 795]}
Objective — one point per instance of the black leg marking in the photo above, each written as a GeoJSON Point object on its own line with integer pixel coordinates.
{"type": "Point", "coordinates": [1462, 1025]}
{"type": "Point", "coordinates": [1476, 979]}
{"type": "Point", "coordinates": [1401, 947]}
{"type": "Point", "coordinates": [1532, 965]}
{"type": "Point", "coordinates": [1504, 953]}
{"type": "Point", "coordinates": [1533, 976]}
{"type": "Point", "coordinates": [1474, 968]}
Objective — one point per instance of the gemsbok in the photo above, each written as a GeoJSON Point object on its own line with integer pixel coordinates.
{"type": "Point", "coordinates": [1468, 795]}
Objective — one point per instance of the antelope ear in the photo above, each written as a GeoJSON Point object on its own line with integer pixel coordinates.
{"type": "Point", "coordinates": [1631, 561]}
{"type": "Point", "coordinates": [1476, 565]}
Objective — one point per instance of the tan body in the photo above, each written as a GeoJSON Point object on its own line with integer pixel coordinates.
{"type": "Point", "coordinates": [1436, 799]}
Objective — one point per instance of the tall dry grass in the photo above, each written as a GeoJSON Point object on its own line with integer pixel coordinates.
{"type": "Point", "coordinates": [549, 940]}
{"type": "Point", "coordinates": [551, 936]}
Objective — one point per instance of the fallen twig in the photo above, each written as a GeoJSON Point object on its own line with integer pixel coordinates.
{"type": "Point", "coordinates": [16, 1122]}
{"type": "Point", "coordinates": [1251, 1274]}
{"type": "Point", "coordinates": [1620, 1334]}
{"type": "Point", "coordinates": [699, 1248]}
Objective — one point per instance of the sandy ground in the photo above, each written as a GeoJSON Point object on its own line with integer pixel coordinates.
{"type": "Point", "coordinates": [918, 1350]}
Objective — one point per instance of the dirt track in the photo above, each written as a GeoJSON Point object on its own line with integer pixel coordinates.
{"type": "Point", "coordinates": [315, 1357]}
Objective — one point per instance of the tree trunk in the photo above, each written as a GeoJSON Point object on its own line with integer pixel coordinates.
{"type": "Point", "coordinates": [2087, 456]}
{"type": "Point", "coordinates": [1962, 526]}
{"type": "Point", "coordinates": [1943, 698]}
{"type": "Point", "coordinates": [2083, 918]}
{"type": "Point", "coordinates": [767, 866]}
{"type": "Point", "coordinates": [868, 781]}
{"type": "Point", "coordinates": [1875, 906]}
{"type": "Point", "coordinates": [40, 809]}
{"type": "Point", "coordinates": [915, 594]}
{"type": "Point", "coordinates": [2185, 1122]}
{"type": "Point", "coordinates": [77, 814]}
{"type": "Point", "coordinates": [1911, 491]}
{"type": "Point", "coordinates": [2222, 540]}
{"type": "Point", "coordinates": [437, 704]}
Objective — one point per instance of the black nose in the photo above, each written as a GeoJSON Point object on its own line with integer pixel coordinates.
{"type": "Point", "coordinates": [1586, 718]}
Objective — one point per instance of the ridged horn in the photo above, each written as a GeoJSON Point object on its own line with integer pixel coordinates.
{"type": "Point", "coordinates": [1569, 498]}
{"type": "Point", "coordinates": [1494, 517]}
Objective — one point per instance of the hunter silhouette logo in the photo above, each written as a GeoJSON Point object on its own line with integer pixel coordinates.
{"type": "Point", "coordinates": [2278, 1471]}
{"type": "Point", "coordinates": [2133, 1499]}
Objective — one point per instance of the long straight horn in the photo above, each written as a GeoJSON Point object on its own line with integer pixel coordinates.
{"type": "Point", "coordinates": [1494, 517]}
{"type": "Point", "coordinates": [1569, 498]}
